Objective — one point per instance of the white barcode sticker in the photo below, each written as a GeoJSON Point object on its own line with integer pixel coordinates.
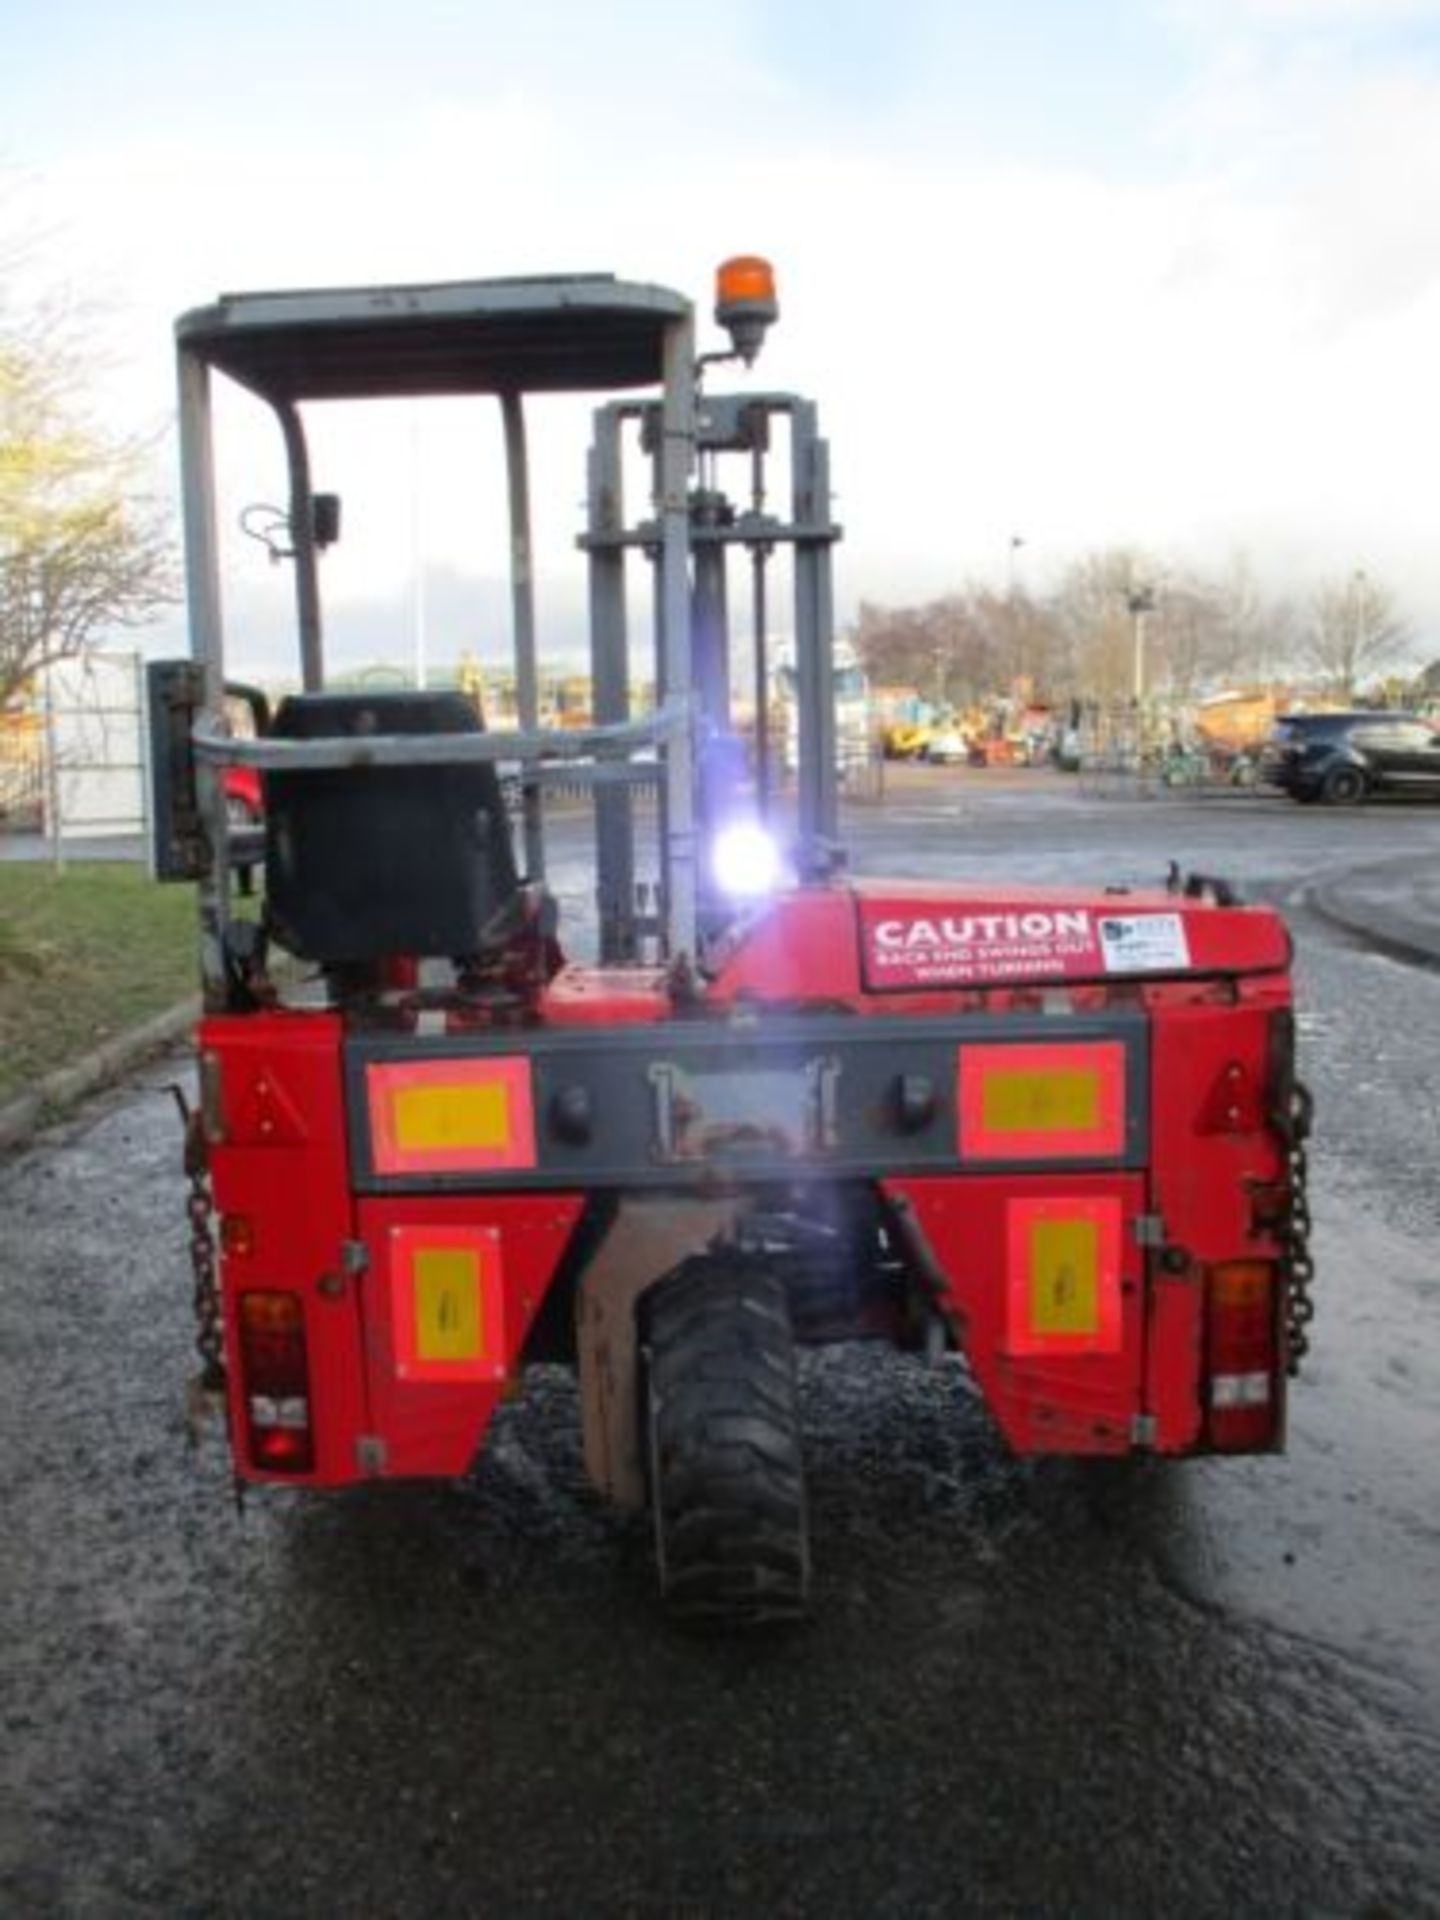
{"type": "Point", "coordinates": [1144, 943]}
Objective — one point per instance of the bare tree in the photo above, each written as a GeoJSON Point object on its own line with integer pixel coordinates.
{"type": "Point", "coordinates": [1214, 630]}
{"type": "Point", "coordinates": [1185, 639]}
{"type": "Point", "coordinates": [965, 646]}
{"type": "Point", "coordinates": [1038, 647]}
{"type": "Point", "coordinates": [1203, 631]}
{"type": "Point", "coordinates": [1355, 628]}
{"type": "Point", "coordinates": [1257, 637]}
{"type": "Point", "coordinates": [897, 646]}
{"type": "Point", "coordinates": [83, 547]}
{"type": "Point", "coordinates": [1092, 605]}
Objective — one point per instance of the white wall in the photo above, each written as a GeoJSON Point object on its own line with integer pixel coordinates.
{"type": "Point", "coordinates": [95, 783]}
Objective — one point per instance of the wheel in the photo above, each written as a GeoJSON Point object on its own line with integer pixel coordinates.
{"type": "Point", "coordinates": [1342, 787]}
{"type": "Point", "coordinates": [722, 1439]}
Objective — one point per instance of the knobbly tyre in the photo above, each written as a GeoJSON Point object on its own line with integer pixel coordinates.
{"type": "Point", "coordinates": [1056, 1131]}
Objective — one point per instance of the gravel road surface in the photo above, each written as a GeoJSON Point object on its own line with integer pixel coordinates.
{"type": "Point", "coordinates": [1206, 1688]}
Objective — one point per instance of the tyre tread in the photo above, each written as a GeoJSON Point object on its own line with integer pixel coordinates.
{"type": "Point", "coordinates": [728, 1480]}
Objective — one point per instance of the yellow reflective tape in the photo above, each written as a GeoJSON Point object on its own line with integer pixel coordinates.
{"type": "Point", "coordinates": [1048, 1100]}
{"type": "Point", "coordinates": [430, 1118]}
{"type": "Point", "coordinates": [447, 1304]}
{"type": "Point", "coordinates": [1064, 1276]}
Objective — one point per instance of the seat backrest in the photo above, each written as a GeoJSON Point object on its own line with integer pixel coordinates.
{"type": "Point", "coordinates": [366, 862]}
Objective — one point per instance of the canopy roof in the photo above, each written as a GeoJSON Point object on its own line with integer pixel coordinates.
{"type": "Point", "coordinates": [555, 333]}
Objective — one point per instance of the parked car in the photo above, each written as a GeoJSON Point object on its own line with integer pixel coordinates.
{"type": "Point", "coordinates": [947, 747]}
{"type": "Point", "coordinates": [247, 712]}
{"type": "Point", "coordinates": [244, 797]}
{"type": "Point", "coordinates": [1344, 757]}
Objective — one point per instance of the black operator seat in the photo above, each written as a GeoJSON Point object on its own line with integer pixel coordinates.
{"type": "Point", "coordinates": [366, 862]}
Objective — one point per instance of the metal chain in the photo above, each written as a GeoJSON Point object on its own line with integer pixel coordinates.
{"type": "Point", "coordinates": [200, 1211]}
{"type": "Point", "coordinates": [1298, 1261]}
{"type": "Point", "coordinates": [209, 1341]}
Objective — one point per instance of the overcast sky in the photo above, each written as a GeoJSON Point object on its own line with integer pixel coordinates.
{"type": "Point", "coordinates": [1162, 272]}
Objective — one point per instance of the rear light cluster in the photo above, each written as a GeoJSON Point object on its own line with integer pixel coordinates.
{"type": "Point", "coordinates": [1243, 1375]}
{"type": "Point", "coordinates": [275, 1377]}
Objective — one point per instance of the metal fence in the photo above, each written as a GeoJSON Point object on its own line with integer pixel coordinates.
{"type": "Point", "coordinates": [1143, 754]}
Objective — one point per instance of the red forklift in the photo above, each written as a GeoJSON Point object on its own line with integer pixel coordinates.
{"type": "Point", "coordinates": [1056, 1132]}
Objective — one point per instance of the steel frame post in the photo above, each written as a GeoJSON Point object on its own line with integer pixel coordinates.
{"type": "Point", "coordinates": [759, 561]}
{"type": "Point", "coordinates": [522, 595]}
{"type": "Point", "coordinates": [825, 637]}
{"type": "Point", "coordinates": [711, 618]}
{"type": "Point", "coordinates": [710, 641]}
{"type": "Point", "coordinates": [814, 616]}
{"type": "Point", "coordinates": [202, 550]}
{"type": "Point", "coordinates": [302, 541]}
{"type": "Point", "coordinates": [610, 682]}
{"type": "Point", "coordinates": [675, 460]}
{"type": "Point", "coordinates": [207, 644]}
{"type": "Point", "coordinates": [662, 791]}
{"type": "Point", "coordinates": [760, 553]}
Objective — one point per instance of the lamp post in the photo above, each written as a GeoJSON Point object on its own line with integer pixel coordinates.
{"type": "Point", "coordinates": [1353, 637]}
{"type": "Point", "coordinates": [1141, 601]}
{"type": "Point", "coordinates": [1012, 612]}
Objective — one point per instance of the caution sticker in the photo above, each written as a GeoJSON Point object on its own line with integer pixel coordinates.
{"type": "Point", "coordinates": [984, 944]}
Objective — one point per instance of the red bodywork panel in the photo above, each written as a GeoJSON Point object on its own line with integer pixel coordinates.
{"type": "Point", "coordinates": [1042, 1236]}
{"type": "Point", "coordinates": [801, 948]}
{"type": "Point", "coordinates": [605, 996]}
{"type": "Point", "coordinates": [283, 1167]}
{"type": "Point", "coordinates": [877, 937]}
{"type": "Point", "coordinates": [435, 1426]}
{"type": "Point", "coordinates": [1046, 1401]}
{"type": "Point", "coordinates": [1213, 1154]}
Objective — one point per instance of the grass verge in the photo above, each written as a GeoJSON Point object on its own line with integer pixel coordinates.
{"type": "Point", "coordinates": [84, 955]}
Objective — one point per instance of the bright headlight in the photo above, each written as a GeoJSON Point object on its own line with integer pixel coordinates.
{"type": "Point", "coordinates": [746, 860]}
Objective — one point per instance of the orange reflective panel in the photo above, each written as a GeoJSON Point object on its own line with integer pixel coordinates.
{"type": "Point", "coordinates": [447, 1303]}
{"type": "Point", "coordinates": [1062, 1291]}
{"type": "Point", "coordinates": [1043, 1101]}
{"type": "Point", "coordinates": [451, 1116]}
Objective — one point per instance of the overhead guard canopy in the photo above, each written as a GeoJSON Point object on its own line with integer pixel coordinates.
{"type": "Point", "coordinates": [552, 334]}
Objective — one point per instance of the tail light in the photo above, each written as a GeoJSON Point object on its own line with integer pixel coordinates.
{"type": "Point", "coordinates": [275, 1376]}
{"type": "Point", "coordinates": [1243, 1383]}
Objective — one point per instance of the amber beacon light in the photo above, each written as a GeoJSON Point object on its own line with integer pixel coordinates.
{"type": "Point", "coordinates": [745, 302]}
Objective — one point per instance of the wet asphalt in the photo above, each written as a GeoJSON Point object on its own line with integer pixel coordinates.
{"type": "Point", "coordinates": [1205, 1687]}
